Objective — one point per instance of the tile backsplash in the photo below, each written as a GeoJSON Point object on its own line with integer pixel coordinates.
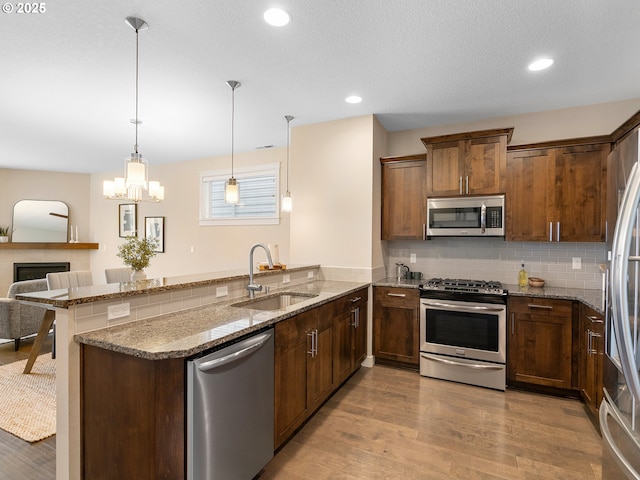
{"type": "Point", "coordinates": [495, 259]}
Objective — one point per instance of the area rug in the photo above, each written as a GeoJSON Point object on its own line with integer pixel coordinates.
{"type": "Point", "coordinates": [28, 402]}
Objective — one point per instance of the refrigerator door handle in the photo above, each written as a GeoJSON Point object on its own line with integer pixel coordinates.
{"type": "Point", "coordinates": [622, 238]}
{"type": "Point", "coordinates": [605, 410]}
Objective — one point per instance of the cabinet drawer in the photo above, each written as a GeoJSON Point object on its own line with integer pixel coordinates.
{"type": "Point", "coordinates": [295, 329]}
{"type": "Point", "coordinates": [396, 297]}
{"type": "Point", "coordinates": [540, 306]}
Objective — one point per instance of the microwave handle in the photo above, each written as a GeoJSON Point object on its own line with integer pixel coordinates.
{"type": "Point", "coordinates": [483, 218]}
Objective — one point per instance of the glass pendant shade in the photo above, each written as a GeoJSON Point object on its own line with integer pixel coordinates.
{"type": "Point", "coordinates": [286, 205]}
{"type": "Point", "coordinates": [136, 173]}
{"type": "Point", "coordinates": [231, 191]}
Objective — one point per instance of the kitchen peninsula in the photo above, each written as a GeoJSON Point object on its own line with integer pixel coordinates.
{"type": "Point", "coordinates": [170, 320]}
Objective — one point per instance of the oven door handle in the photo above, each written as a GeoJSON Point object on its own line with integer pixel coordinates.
{"type": "Point", "coordinates": [461, 364]}
{"type": "Point", "coordinates": [458, 308]}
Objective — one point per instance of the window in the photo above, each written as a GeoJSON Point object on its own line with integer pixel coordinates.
{"type": "Point", "coordinates": [259, 198]}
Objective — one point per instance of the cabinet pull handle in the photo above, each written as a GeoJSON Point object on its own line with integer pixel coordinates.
{"type": "Point", "coordinates": [315, 343]}
{"type": "Point", "coordinates": [558, 232]}
{"type": "Point", "coordinates": [589, 341]}
{"type": "Point", "coordinates": [356, 299]}
{"type": "Point", "coordinates": [460, 185]}
{"type": "Point", "coordinates": [311, 351]}
{"type": "Point", "coordinates": [467, 191]}
{"type": "Point", "coordinates": [424, 231]}
{"type": "Point", "coordinates": [595, 319]}
{"type": "Point", "coordinates": [401, 295]}
{"type": "Point", "coordinates": [513, 324]}
{"type": "Point", "coordinates": [551, 231]}
{"type": "Point", "coordinates": [355, 314]}
{"type": "Point", "coordinates": [545, 307]}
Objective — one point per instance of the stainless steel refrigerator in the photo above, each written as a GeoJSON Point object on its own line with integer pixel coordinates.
{"type": "Point", "coordinates": [620, 409]}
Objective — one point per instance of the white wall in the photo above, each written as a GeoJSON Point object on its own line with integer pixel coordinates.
{"type": "Point", "coordinates": [331, 184]}
{"type": "Point", "coordinates": [587, 121]}
{"type": "Point", "coordinates": [70, 188]}
{"type": "Point", "coordinates": [215, 248]}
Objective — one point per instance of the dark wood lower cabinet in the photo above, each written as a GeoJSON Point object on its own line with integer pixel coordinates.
{"type": "Point", "coordinates": [591, 357]}
{"type": "Point", "coordinates": [540, 342]}
{"type": "Point", "coordinates": [315, 352]}
{"type": "Point", "coordinates": [133, 420]}
{"type": "Point", "coordinates": [396, 329]}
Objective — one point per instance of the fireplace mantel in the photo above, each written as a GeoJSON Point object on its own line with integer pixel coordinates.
{"type": "Point", "coordinates": [48, 246]}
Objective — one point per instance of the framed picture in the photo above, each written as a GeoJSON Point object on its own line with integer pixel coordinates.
{"type": "Point", "coordinates": [154, 228]}
{"type": "Point", "coordinates": [128, 214]}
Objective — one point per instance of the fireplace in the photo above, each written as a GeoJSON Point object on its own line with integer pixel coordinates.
{"type": "Point", "coordinates": [32, 271]}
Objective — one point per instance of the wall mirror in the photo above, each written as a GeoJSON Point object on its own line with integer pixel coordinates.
{"type": "Point", "coordinates": [37, 221]}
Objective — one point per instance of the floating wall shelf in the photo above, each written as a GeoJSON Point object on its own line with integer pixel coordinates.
{"type": "Point", "coordinates": [48, 246]}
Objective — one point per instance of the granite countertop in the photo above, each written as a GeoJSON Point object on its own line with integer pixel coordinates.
{"type": "Point", "coordinates": [65, 298]}
{"type": "Point", "coordinates": [591, 298]}
{"type": "Point", "coordinates": [189, 332]}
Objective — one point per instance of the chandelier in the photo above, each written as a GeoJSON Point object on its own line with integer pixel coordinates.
{"type": "Point", "coordinates": [136, 169]}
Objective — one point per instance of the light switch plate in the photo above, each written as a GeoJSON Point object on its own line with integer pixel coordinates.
{"type": "Point", "coordinates": [576, 263]}
{"type": "Point", "coordinates": [118, 311]}
{"type": "Point", "coordinates": [412, 258]}
{"type": "Point", "coordinates": [286, 279]}
{"type": "Point", "coordinates": [309, 274]}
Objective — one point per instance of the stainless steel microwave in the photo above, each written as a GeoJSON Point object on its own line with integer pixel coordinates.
{"type": "Point", "coordinates": [466, 216]}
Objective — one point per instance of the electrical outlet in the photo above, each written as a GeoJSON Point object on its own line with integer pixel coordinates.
{"type": "Point", "coordinates": [286, 279]}
{"type": "Point", "coordinates": [222, 291]}
{"type": "Point", "coordinates": [576, 263]}
{"type": "Point", "coordinates": [309, 274]}
{"type": "Point", "coordinates": [412, 258]}
{"type": "Point", "coordinates": [118, 311]}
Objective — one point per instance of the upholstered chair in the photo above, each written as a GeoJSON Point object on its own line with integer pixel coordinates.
{"type": "Point", "coordinates": [73, 279]}
{"type": "Point", "coordinates": [18, 320]}
{"type": "Point", "coordinates": [118, 275]}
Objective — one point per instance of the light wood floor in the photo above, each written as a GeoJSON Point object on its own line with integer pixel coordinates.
{"type": "Point", "coordinates": [393, 424]}
{"type": "Point", "coordinates": [387, 423]}
{"type": "Point", "coordinates": [20, 460]}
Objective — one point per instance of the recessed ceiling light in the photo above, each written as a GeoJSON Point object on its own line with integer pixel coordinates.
{"type": "Point", "coordinates": [353, 99]}
{"type": "Point", "coordinates": [540, 64]}
{"type": "Point", "coordinates": [276, 17]}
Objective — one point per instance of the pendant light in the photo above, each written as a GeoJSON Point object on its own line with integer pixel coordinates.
{"type": "Point", "coordinates": [136, 169]}
{"type": "Point", "coordinates": [231, 188]}
{"type": "Point", "coordinates": [287, 201]}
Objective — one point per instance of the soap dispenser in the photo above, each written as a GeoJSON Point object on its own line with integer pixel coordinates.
{"type": "Point", "coordinates": [522, 277]}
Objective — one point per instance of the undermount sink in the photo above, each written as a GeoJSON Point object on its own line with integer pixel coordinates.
{"type": "Point", "coordinates": [275, 302]}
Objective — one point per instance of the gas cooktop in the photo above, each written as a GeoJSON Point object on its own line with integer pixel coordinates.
{"type": "Point", "coordinates": [463, 286]}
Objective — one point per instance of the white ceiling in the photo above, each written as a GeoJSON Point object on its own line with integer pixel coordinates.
{"type": "Point", "coordinates": [67, 76]}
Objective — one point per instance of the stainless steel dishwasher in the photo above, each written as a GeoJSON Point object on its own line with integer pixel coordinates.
{"type": "Point", "coordinates": [230, 410]}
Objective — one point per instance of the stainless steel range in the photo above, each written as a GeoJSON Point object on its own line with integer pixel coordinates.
{"type": "Point", "coordinates": [463, 331]}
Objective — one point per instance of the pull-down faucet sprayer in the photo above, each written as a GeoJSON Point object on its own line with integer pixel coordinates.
{"type": "Point", "coordinates": [254, 287]}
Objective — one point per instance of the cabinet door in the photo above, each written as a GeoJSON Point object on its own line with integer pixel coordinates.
{"type": "Point", "coordinates": [395, 325]}
{"type": "Point", "coordinates": [581, 174]}
{"type": "Point", "coordinates": [342, 333]}
{"type": "Point", "coordinates": [360, 330]}
{"type": "Point", "coordinates": [292, 345]}
{"type": "Point", "coordinates": [485, 162]}
{"type": "Point", "coordinates": [404, 201]}
{"type": "Point", "coordinates": [540, 342]}
{"type": "Point", "coordinates": [320, 364]}
{"type": "Point", "coordinates": [530, 194]}
{"type": "Point", "coordinates": [445, 169]}
{"type": "Point", "coordinates": [591, 357]}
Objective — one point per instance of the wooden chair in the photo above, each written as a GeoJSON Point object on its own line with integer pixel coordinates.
{"type": "Point", "coordinates": [118, 275]}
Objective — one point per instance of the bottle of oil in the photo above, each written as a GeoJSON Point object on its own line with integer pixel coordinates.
{"type": "Point", "coordinates": [522, 277]}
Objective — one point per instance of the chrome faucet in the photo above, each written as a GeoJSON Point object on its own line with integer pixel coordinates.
{"type": "Point", "coordinates": [254, 287]}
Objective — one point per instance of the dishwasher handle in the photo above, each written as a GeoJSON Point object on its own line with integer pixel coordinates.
{"type": "Point", "coordinates": [255, 344]}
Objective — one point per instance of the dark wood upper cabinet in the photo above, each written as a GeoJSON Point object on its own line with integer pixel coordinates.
{"type": "Point", "coordinates": [557, 193]}
{"type": "Point", "coordinates": [404, 199]}
{"type": "Point", "coordinates": [471, 163]}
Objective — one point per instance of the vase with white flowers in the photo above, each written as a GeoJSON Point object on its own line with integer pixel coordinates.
{"type": "Point", "coordinates": [137, 253]}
